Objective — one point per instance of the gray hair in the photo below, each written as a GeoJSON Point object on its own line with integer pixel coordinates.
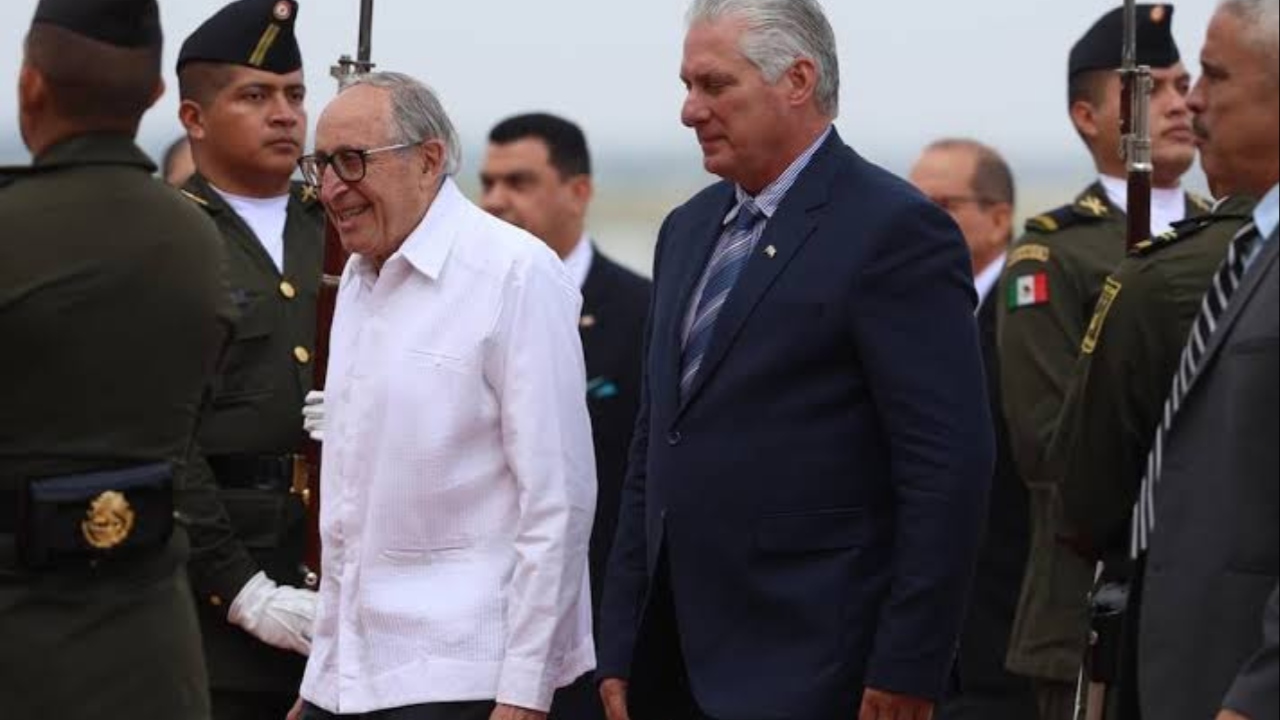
{"type": "Point", "coordinates": [416, 114]}
{"type": "Point", "coordinates": [778, 33]}
{"type": "Point", "coordinates": [1261, 20]}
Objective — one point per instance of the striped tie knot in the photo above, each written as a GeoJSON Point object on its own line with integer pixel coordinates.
{"type": "Point", "coordinates": [727, 262]}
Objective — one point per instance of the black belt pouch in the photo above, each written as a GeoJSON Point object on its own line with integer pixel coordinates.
{"type": "Point", "coordinates": [73, 520]}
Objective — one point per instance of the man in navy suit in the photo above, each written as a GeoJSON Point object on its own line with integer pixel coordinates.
{"type": "Point", "coordinates": [809, 476]}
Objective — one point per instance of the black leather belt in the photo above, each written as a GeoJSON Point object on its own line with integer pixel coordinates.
{"type": "Point", "coordinates": [253, 472]}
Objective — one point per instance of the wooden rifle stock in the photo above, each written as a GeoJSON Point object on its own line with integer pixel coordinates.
{"type": "Point", "coordinates": [335, 259]}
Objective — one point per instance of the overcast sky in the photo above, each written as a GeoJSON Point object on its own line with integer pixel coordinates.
{"type": "Point", "coordinates": [912, 71]}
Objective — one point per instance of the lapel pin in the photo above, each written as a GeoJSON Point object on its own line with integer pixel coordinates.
{"type": "Point", "coordinates": [771, 251]}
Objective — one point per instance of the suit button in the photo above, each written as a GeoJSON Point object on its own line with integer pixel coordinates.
{"type": "Point", "coordinates": [674, 437]}
{"type": "Point", "coordinates": [288, 290]}
{"type": "Point", "coordinates": [302, 355]}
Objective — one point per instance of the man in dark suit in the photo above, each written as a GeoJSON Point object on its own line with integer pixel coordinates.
{"type": "Point", "coordinates": [537, 175]}
{"type": "Point", "coordinates": [809, 477]}
{"type": "Point", "coordinates": [1205, 523]}
{"type": "Point", "coordinates": [973, 183]}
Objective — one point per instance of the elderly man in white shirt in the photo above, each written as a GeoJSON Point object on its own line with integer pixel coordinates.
{"type": "Point", "coordinates": [458, 472]}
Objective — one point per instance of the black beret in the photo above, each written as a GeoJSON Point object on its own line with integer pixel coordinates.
{"type": "Point", "coordinates": [1102, 48]}
{"type": "Point", "coordinates": [253, 33]}
{"type": "Point", "coordinates": [123, 23]}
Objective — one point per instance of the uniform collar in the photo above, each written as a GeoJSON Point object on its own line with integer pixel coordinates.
{"type": "Point", "coordinates": [95, 149]}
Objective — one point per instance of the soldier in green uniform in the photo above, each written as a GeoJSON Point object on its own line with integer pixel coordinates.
{"type": "Point", "coordinates": [1127, 362]}
{"type": "Point", "coordinates": [113, 316]}
{"type": "Point", "coordinates": [1054, 276]}
{"type": "Point", "coordinates": [242, 90]}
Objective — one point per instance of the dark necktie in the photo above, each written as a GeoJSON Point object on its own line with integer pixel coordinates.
{"type": "Point", "coordinates": [1225, 283]}
{"type": "Point", "coordinates": [728, 260]}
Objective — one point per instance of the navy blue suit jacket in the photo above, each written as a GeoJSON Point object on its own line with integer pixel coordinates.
{"type": "Point", "coordinates": [819, 495]}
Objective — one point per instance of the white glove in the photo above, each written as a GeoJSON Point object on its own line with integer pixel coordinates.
{"type": "Point", "coordinates": [280, 616]}
{"type": "Point", "coordinates": [313, 415]}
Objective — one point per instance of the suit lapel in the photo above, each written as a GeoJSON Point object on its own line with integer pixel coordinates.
{"type": "Point", "coordinates": [785, 233]}
{"type": "Point", "coordinates": [1253, 278]}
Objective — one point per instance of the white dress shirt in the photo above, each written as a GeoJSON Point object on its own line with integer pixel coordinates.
{"type": "Point", "coordinates": [458, 481]}
{"type": "Point", "coordinates": [578, 261]}
{"type": "Point", "coordinates": [984, 282]}
{"type": "Point", "coordinates": [1168, 205]}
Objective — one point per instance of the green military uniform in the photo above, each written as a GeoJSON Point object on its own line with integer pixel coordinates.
{"type": "Point", "coordinates": [1053, 278]}
{"type": "Point", "coordinates": [253, 428]}
{"type": "Point", "coordinates": [113, 315]}
{"type": "Point", "coordinates": [250, 433]}
{"type": "Point", "coordinates": [1128, 359]}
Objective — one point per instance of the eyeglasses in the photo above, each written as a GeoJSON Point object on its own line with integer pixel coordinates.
{"type": "Point", "coordinates": [349, 165]}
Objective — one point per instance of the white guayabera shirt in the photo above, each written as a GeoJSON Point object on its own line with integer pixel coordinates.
{"type": "Point", "coordinates": [459, 478]}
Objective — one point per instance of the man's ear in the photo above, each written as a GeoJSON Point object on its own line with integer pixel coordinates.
{"type": "Point", "coordinates": [33, 91]}
{"type": "Point", "coordinates": [191, 115]}
{"type": "Point", "coordinates": [801, 81]}
{"type": "Point", "coordinates": [582, 190]}
{"type": "Point", "coordinates": [432, 157]}
{"type": "Point", "coordinates": [1085, 117]}
{"type": "Point", "coordinates": [157, 93]}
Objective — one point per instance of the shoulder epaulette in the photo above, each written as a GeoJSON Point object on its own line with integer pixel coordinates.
{"type": "Point", "coordinates": [194, 198]}
{"type": "Point", "coordinates": [305, 193]}
{"type": "Point", "coordinates": [1063, 218]}
{"type": "Point", "coordinates": [1182, 230]}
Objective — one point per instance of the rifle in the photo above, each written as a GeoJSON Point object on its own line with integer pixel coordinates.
{"type": "Point", "coordinates": [1135, 129]}
{"type": "Point", "coordinates": [307, 472]}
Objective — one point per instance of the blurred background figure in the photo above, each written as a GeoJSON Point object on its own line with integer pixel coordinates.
{"type": "Point", "coordinates": [176, 165]}
{"type": "Point", "coordinates": [537, 176]}
{"type": "Point", "coordinates": [974, 183]}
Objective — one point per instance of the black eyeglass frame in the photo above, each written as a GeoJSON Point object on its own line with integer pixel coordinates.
{"type": "Point", "coordinates": [313, 166]}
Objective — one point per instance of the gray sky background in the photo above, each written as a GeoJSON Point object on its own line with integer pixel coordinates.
{"type": "Point", "coordinates": [912, 71]}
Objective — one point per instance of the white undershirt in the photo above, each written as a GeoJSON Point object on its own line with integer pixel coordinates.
{"type": "Point", "coordinates": [985, 280]}
{"type": "Point", "coordinates": [1168, 206]}
{"type": "Point", "coordinates": [266, 218]}
{"type": "Point", "coordinates": [578, 261]}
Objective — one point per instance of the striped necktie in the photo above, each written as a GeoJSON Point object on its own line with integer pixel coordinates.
{"type": "Point", "coordinates": [728, 260]}
{"type": "Point", "coordinates": [1225, 283]}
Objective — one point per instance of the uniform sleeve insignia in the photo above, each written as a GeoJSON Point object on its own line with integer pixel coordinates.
{"type": "Point", "coordinates": [194, 198]}
{"type": "Point", "coordinates": [1028, 251]}
{"type": "Point", "coordinates": [1110, 291]}
{"type": "Point", "coordinates": [1029, 290]}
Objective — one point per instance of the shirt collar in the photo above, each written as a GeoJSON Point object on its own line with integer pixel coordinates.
{"type": "Point", "coordinates": [428, 245]}
{"type": "Point", "coordinates": [988, 278]}
{"type": "Point", "coordinates": [1118, 193]}
{"type": "Point", "coordinates": [578, 261]}
{"type": "Point", "coordinates": [1267, 213]}
{"type": "Point", "coordinates": [771, 197]}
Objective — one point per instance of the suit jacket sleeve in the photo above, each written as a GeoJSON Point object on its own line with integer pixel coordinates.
{"type": "Point", "coordinates": [627, 578]}
{"type": "Point", "coordinates": [930, 392]}
{"type": "Point", "coordinates": [1256, 691]}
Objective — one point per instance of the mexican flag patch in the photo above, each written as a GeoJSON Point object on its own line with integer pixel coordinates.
{"type": "Point", "coordinates": [1029, 291]}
